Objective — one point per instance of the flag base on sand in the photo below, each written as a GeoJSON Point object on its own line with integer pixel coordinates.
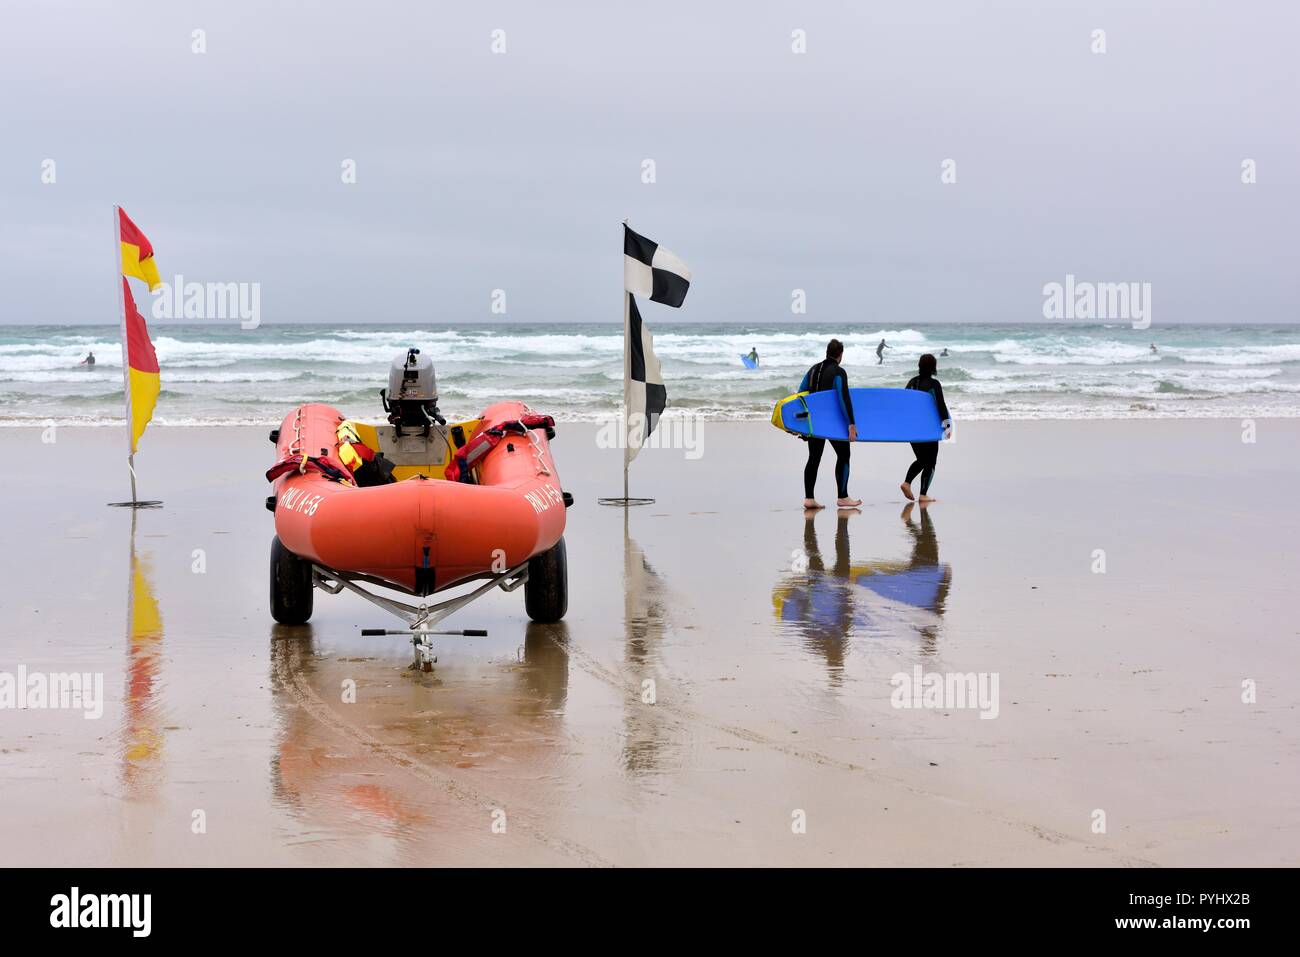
{"type": "Point", "coordinates": [135, 502]}
{"type": "Point", "coordinates": [625, 501]}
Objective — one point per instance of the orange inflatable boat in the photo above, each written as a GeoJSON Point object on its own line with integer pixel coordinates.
{"type": "Point", "coordinates": [417, 505]}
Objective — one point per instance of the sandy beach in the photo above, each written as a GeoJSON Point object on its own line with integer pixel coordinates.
{"type": "Point", "coordinates": [767, 639]}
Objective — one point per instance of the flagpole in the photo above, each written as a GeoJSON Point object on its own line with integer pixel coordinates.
{"type": "Point", "coordinates": [126, 363]}
{"type": "Point", "coordinates": [627, 378]}
{"type": "Point", "coordinates": [627, 371]}
{"type": "Point", "coordinates": [126, 359]}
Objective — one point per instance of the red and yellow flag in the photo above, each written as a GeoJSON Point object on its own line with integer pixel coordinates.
{"type": "Point", "coordinates": [137, 252]}
{"type": "Point", "coordinates": [139, 361]}
{"type": "Point", "coordinates": [141, 366]}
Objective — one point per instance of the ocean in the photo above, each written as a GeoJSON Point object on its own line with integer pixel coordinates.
{"type": "Point", "coordinates": [222, 374]}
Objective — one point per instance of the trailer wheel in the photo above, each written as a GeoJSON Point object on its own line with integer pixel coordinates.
{"type": "Point", "coordinates": [291, 586]}
{"type": "Point", "coordinates": [546, 593]}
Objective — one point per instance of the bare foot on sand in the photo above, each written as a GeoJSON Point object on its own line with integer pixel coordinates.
{"type": "Point", "coordinates": [848, 502]}
{"type": "Point", "coordinates": [907, 491]}
{"type": "Point", "coordinates": [812, 503]}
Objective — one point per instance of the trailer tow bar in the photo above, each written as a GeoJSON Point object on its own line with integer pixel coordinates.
{"type": "Point", "coordinates": [420, 619]}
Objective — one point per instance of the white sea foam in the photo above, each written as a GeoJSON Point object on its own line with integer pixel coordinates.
{"type": "Point", "coordinates": [575, 371]}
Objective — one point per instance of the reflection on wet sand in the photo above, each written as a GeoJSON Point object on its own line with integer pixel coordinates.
{"type": "Point", "coordinates": [307, 770]}
{"type": "Point", "coordinates": [142, 739]}
{"type": "Point", "coordinates": [390, 771]}
{"type": "Point", "coordinates": [291, 655]}
{"type": "Point", "coordinates": [830, 604]}
{"type": "Point", "coordinates": [347, 804]}
{"type": "Point", "coordinates": [926, 582]}
{"type": "Point", "coordinates": [544, 679]}
{"type": "Point", "coordinates": [644, 621]}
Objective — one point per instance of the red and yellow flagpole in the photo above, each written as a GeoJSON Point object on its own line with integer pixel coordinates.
{"type": "Point", "coordinates": [140, 381]}
{"type": "Point", "coordinates": [126, 358]}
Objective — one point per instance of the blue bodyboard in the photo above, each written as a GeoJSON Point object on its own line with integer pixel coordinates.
{"type": "Point", "coordinates": [882, 415]}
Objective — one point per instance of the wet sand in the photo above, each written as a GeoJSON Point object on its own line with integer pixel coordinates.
{"type": "Point", "coordinates": [770, 639]}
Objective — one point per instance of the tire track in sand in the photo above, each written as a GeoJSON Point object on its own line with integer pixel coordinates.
{"type": "Point", "coordinates": [614, 677]}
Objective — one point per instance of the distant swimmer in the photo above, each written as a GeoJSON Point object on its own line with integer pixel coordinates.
{"type": "Point", "coordinates": [927, 453]}
{"type": "Point", "coordinates": [88, 361]}
{"type": "Point", "coordinates": [827, 375]}
{"type": "Point", "coordinates": [753, 356]}
{"type": "Point", "coordinates": [1153, 348]}
{"type": "Point", "coordinates": [880, 351]}
{"type": "Point", "coordinates": [944, 354]}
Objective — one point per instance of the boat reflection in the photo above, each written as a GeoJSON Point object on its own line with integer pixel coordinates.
{"type": "Point", "coordinates": [369, 754]}
{"type": "Point", "coordinates": [316, 771]}
{"type": "Point", "coordinates": [829, 601]}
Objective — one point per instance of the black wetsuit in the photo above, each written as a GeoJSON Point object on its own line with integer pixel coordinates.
{"type": "Point", "coordinates": [826, 375]}
{"type": "Point", "coordinates": [927, 453]}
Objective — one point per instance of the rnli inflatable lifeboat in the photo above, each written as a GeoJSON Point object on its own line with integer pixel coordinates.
{"type": "Point", "coordinates": [416, 505]}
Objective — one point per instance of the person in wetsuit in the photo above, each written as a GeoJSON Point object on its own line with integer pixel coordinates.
{"type": "Point", "coordinates": [753, 355]}
{"type": "Point", "coordinates": [880, 351]}
{"type": "Point", "coordinates": [927, 453]}
{"type": "Point", "coordinates": [824, 376]}
{"type": "Point", "coordinates": [88, 361]}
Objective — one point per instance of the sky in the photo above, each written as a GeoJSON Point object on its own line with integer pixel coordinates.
{"type": "Point", "coordinates": [774, 170]}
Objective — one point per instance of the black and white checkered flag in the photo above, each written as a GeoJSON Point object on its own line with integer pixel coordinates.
{"type": "Point", "coordinates": [648, 270]}
{"type": "Point", "coordinates": [644, 395]}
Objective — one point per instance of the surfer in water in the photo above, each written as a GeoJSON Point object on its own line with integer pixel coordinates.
{"type": "Point", "coordinates": [1153, 348]}
{"type": "Point", "coordinates": [89, 360]}
{"type": "Point", "coordinates": [944, 354]}
{"type": "Point", "coordinates": [825, 375]}
{"type": "Point", "coordinates": [927, 453]}
{"type": "Point", "coordinates": [880, 352]}
{"type": "Point", "coordinates": [753, 355]}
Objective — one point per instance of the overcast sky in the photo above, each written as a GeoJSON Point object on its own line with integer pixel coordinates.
{"type": "Point", "coordinates": [775, 170]}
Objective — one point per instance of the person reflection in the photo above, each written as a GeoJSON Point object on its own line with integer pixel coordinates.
{"type": "Point", "coordinates": [925, 563]}
{"type": "Point", "coordinates": [830, 603]}
{"type": "Point", "coordinates": [818, 601]}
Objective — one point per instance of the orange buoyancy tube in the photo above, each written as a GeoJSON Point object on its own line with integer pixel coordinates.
{"type": "Point", "coordinates": [488, 437]}
{"type": "Point", "coordinates": [422, 535]}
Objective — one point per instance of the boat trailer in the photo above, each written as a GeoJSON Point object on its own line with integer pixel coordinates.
{"type": "Point", "coordinates": [420, 619]}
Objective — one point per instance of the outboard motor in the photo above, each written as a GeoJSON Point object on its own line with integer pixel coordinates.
{"type": "Point", "coordinates": [411, 399]}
